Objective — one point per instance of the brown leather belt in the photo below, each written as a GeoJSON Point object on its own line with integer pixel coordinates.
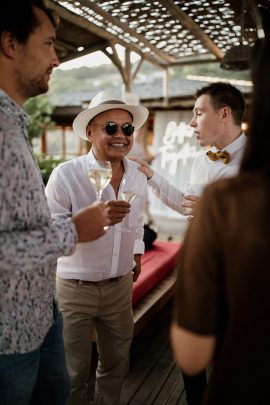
{"type": "Point", "coordinates": [96, 283]}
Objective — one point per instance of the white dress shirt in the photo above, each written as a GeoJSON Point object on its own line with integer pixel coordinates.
{"type": "Point", "coordinates": [68, 190]}
{"type": "Point", "coordinates": [203, 171]}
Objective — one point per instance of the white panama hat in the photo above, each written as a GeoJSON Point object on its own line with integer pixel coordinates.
{"type": "Point", "coordinates": [104, 101]}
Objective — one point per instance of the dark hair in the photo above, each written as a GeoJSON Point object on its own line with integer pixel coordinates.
{"type": "Point", "coordinates": [257, 153]}
{"type": "Point", "coordinates": [18, 17]}
{"type": "Point", "coordinates": [223, 94]}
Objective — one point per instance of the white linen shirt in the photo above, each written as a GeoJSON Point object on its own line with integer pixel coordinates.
{"type": "Point", "coordinates": [69, 190]}
{"type": "Point", "coordinates": [203, 171]}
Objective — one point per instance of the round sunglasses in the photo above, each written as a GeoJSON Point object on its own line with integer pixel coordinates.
{"type": "Point", "coordinates": [111, 128]}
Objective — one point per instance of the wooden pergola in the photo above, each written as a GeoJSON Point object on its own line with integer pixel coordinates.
{"type": "Point", "coordinates": [163, 32]}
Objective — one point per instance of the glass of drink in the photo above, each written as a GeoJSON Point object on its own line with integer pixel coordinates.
{"type": "Point", "coordinates": [127, 195]}
{"type": "Point", "coordinates": [100, 174]}
{"type": "Point", "coordinates": [192, 189]}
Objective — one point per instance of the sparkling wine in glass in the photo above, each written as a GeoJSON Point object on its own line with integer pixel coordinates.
{"type": "Point", "coordinates": [187, 188]}
{"type": "Point", "coordinates": [192, 189]}
{"type": "Point", "coordinates": [127, 195]}
{"type": "Point", "coordinates": [100, 175]}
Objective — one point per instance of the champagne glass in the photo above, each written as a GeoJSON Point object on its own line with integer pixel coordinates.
{"type": "Point", "coordinates": [187, 188]}
{"type": "Point", "coordinates": [127, 195]}
{"type": "Point", "coordinates": [100, 174]}
{"type": "Point", "coordinates": [193, 190]}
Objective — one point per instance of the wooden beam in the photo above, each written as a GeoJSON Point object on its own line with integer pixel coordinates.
{"type": "Point", "coordinates": [166, 80]}
{"type": "Point", "coordinates": [195, 29]}
{"type": "Point", "coordinates": [128, 71]}
{"type": "Point", "coordinates": [139, 64]}
{"type": "Point", "coordinates": [256, 17]}
{"type": "Point", "coordinates": [87, 25]}
{"type": "Point", "coordinates": [116, 61]}
{"type": "Point", "coordinates": [77, 54]}
{"type": "Point", "coordinates": [123, 26]}
{"type": "Point", "coordinates": [64, 45]}
{"type": "Point", "coordinates": [194, 61]}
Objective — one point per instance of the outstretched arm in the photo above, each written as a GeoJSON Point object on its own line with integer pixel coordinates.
{"type": "Point", "coordinates": [144, 167]}
{"type": "Point", "coordinates": [166, 192]}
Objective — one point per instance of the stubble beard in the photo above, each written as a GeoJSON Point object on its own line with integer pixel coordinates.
{"type": "Point", "coordinates": [27, 87]}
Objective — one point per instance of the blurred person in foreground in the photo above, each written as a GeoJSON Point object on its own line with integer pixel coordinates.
{"type": "Point", "coordinates": [222, 296]}
{"type": "Point", "coordinates": [94, 285]}
{"type": "Point", "coordinates": [32, 362]}
{"type": "Point", "coordinates": [217, 118]}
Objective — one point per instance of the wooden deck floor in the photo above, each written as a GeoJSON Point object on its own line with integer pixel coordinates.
{"type": "Point", "coordinates": [154, 378]}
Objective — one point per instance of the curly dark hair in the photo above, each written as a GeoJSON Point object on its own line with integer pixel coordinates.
{"type": "Point", "coordinates": [18, 17]}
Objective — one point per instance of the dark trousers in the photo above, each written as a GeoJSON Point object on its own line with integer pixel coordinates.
{"type": "Point", "coordinates": [195, 387]}
{"type": "Point", "coordinates": [39, 377]}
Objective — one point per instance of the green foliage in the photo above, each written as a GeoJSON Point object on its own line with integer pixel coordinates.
{"type": "Point", "coordinates": [92, 79]}
{"type": "Point", "coordinates": [40, 111]}
{"type": "Point", "coordinates": [210, 69]}
{"type": "Point", "coordinates": [83, 79]}
{"type": "Point", "coordinates": [46, 165]}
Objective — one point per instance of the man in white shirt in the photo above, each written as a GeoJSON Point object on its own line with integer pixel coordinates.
{"type": "Point", "coordinates": [217, 118]}
{"type": "Point", "coordinates": [94, 285]}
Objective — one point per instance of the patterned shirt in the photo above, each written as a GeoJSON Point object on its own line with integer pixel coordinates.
{"type": "Point", "coordinates": [29, 242]}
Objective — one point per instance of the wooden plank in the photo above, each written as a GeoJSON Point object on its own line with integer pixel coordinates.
{"type": "Point", "coordinates": [153, 302]}
{"type": "Point", "coordinates": [172, 391]}
{"type": "Point", "coordinates": [155, 381]}
{"type": "Point", "coordinates": [154, 378]}
{"type": "Point", "coordinates": [146, 350]}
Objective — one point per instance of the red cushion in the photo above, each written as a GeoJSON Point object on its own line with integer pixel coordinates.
{"type": "Point", "coordinates": [156, 264]}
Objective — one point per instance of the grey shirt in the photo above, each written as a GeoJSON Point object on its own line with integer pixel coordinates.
{"type": "Point", "coordinates": [29, 242]}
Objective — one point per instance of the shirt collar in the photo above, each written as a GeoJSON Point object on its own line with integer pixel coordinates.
{"type": "Point", "coordinates": [10, 106]}
{"type": "Point", "coordinates": [237, 144]}
{"type": "Point", "coordinates": [92, 159]}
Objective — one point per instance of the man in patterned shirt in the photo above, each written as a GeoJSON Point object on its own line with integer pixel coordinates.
{"type": "Point", "coordinates": [32, 363]}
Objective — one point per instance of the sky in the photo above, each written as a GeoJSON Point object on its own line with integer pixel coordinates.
{"type": "Point", "coordinates": [95, 59]}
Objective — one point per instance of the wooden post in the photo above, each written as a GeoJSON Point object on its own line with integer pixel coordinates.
{"type": "Point", "coordinates": [166, 87]}
{"type": "Point", "coordinates": [43, 143]}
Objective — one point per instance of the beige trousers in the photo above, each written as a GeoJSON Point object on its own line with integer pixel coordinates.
{"type": "Point", "coordinates": [107, 307]}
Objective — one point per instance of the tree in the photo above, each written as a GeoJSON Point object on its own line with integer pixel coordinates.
{"type": "Point", "coordinates": [40, 111]}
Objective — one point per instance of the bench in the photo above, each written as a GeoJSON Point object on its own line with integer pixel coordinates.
{"type": "Point", "coordinates": [155, 285]}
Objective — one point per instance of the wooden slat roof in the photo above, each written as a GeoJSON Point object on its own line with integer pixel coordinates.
{"type": "Point", "coordinates": [164, 32]}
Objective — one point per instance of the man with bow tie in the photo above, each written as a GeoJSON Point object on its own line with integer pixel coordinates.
{"type": "Point", "coordinates": [217, 118]}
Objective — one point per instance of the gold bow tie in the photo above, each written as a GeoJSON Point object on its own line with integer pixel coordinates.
{"type": "Point", "coordinates": [222, 155]}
